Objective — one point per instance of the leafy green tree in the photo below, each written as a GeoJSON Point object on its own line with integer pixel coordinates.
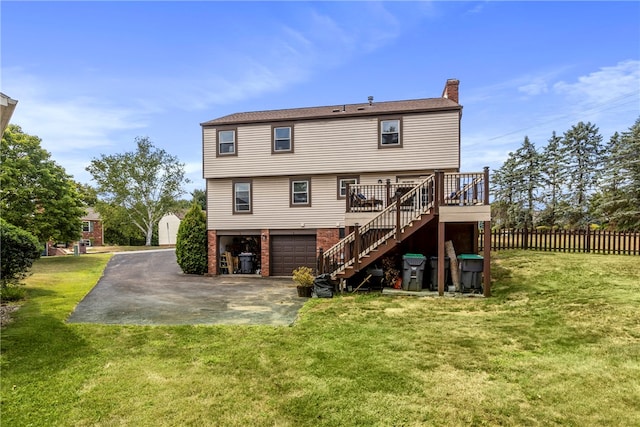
{"type": "Point", "coordinates": [582, 149]}
{"type": "Point", "coordinates": [200, 197]}
{"type": "Point", "coordinates": [117, 227]}
{"type": "Point", "coordinates": [18, 250]}
{"type": "Point", "coordinates": [191, 244]}
{"type": "Point", "coordinates": [146, 183]}
{"type": "Point", "coordinates": [36, 194]}
{"type": "Point", "coordinates": [88, 194]}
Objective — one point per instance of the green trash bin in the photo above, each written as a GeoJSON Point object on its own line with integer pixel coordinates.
{"type": "Point", "coordinates": [433, 283]}
{"type": "Point", "coordinates": [471, 267]}
{"type": "Point", "coordinates": [413, 271]}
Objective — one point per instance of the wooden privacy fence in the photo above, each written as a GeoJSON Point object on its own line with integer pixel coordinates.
{"type": "Point", "coordinates": [590, 241]}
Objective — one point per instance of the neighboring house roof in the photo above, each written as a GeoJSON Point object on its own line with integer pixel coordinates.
{"type": "Point", "coordinates": [179, 214]}
{"type": "Point", "coordinates": [7, 105]}
{"type": "Point", "coordinates": [347, 110]}
{"type": "Point", "coordinates": [92, 215]}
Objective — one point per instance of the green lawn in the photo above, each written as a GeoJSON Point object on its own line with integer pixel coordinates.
{"type": "Point", "coordinates": [558, 343]}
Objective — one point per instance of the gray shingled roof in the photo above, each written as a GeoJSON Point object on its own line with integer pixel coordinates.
{"type": "Point", "coordinates": [348, 110]}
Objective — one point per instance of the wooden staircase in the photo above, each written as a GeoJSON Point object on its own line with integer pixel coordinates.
{"type": "Point", "coordinates": [402, 216]}
{"type": "Point", "coordinates": [372, 240]}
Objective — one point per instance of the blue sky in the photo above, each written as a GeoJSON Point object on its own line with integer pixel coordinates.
{"type": "Point", "coordinates": [91, 76]}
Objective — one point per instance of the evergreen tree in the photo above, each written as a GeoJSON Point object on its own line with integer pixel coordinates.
{"type": "Point", "coordinates": [552, 178]}
{"type": "Point", "coordinates": [191, 244]}
{"type": "Point", "coordinates": [529, 177]}
{"type": "Point", "coordinates": [505, 205]}
{"type": "Point", "coordinates": [515, 187]}
{"type": "Point", "coordinates": [582, 149]}
{"type": "Point", "coordinates": [618, 203]}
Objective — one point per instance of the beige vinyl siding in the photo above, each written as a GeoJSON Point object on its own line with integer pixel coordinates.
{"type": "Point", "coordinates": [465, 213]}
{"type": "Point", "coordinates": [271, 205]}
{"type": "Point", "coordinates": [348, 146]}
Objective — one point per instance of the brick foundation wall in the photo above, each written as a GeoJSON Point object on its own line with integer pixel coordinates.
{"type": "Point", "coordinates": [326, 237]}
{"type": "Point", "coordinates": [265, 245]}
{"type": "Point", "coordinates": [212, 245]}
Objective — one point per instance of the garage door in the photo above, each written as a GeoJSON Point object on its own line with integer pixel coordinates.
{"type": "Point", "coordinates": [291, 252]}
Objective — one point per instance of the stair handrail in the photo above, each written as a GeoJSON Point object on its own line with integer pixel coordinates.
{"type": "Point", "coordinates": [405, 208]}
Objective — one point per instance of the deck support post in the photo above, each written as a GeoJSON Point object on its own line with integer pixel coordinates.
{"type": "Point", "coordinates": [486, 267]}
{"type": "Point", "coordinates": [441, 260]}
{"type": "Point", "coordinates": [486, 264]}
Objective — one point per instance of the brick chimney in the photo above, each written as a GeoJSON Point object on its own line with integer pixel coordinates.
{"type": "Point", "coordinates": [451, 90]}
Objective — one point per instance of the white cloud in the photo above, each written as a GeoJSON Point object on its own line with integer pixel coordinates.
{"type": "Point", "coordinates": [536, 87]}
{"type": "Point", "coordinates": [70, 123]}
{"type": "Point", "coordinates": [320, 42]}
{"type": "Point", "coordinates": [606, 85]}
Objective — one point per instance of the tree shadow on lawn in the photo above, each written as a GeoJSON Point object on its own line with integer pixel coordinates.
{"type": "Point", "coordinates": [39, 342]}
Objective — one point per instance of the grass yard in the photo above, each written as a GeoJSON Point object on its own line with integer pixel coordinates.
{"type": "Point", "coordinates": [558, 343]}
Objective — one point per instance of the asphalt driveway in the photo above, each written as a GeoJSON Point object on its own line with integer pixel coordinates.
{"type": "Point", "coordinates": [148, 288]}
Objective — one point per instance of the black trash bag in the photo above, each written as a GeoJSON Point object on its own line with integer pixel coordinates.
{"type": "Point", "coordinates": [322, 286]}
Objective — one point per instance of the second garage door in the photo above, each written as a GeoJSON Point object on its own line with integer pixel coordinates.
{"type": "Point", "coordinates": [290, 252]}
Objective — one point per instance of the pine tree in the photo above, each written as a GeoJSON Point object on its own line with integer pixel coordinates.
{"type": "Point", "coordinates": [505, 205]}
{"type": "Point", "coordinates": [582, 149]}
{"type": "Point", "coordinates": [552, 167]}
{"type": "Point", "coordinates": [527, 170]}
{"type": "Point", "coordinates": [618, 203]}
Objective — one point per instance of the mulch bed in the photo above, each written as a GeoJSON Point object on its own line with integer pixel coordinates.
{"type": "Point", "coordinates": [5, 314]}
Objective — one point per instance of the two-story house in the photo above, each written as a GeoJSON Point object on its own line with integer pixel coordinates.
{"type": "Point", "coordinates": [92, 230]}
{"type": "Point", "coordinates": [343, 184]}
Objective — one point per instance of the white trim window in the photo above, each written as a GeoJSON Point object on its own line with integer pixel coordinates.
{"type": "Point", "coordinates": [242, 197]}
{"type": "Point", "coordinates": [300, 191]}
{"type": "Point", "coordinates": [282, 140]}
{"type": "Point", "coordinates": [390, 133]}
{"type": "Point", "coordinates": [342, 185]}
{"type": "Point", "coordinates": [226, 142]}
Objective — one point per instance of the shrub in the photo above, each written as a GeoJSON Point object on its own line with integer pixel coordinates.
{"type": "Point", "coordinates": [12, 293]}
{"type": "Point", "coordinates": [191, 242]}
{"type": "Point", "coordinates": [18, 250]}
{"type": "Point", "coordinates": [303, 276]}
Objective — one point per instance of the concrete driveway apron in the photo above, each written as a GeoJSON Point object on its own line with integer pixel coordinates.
{"type": "Point", "coordinates": [148, 288]}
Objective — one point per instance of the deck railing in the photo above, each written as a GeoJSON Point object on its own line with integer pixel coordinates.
{"type": "Point", "coordinates": [402, 209]}
{"type": "Point", "coordinates": [464, 189]}
{"type": "Point", "coordinates": [396, 207]}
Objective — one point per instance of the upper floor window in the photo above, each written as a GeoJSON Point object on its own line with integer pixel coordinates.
{"type": "Point", "coordinates": [282, 139]}
{"type": "Point", "coordinates": [226, 142]}
{"type": "Point", "coordinates": [242, 197]}
{"type": "Point", "coordinates": [342, 185]}
{"type": "Point", "coordinates": [300, 189]}
{"type": "Point", "coordinates": [390, 135]}
{"type": "Point", "coordinates": [87, 226]}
